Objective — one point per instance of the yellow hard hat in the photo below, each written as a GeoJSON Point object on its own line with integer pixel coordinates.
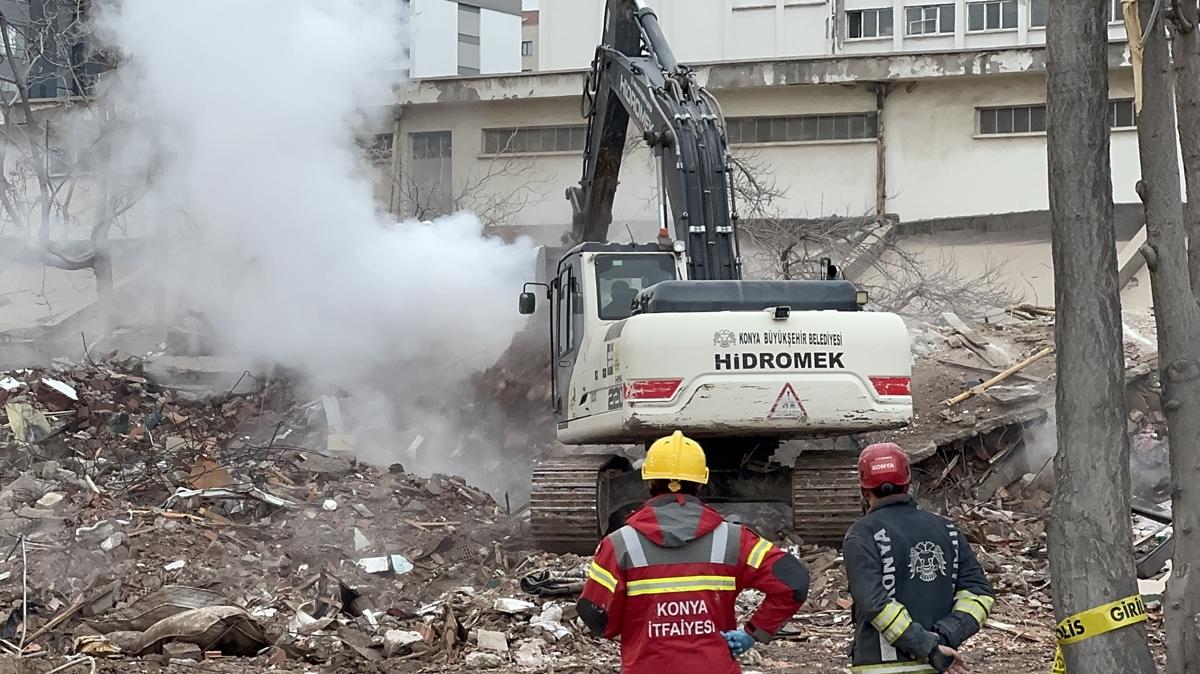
{"type": "Point", "coordinates": [675, 457]}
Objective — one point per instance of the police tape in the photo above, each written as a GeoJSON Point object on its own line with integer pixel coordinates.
{"type": "Point", "coordinates": [1095, 621]}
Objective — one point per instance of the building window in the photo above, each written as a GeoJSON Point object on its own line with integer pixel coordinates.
{"type": "Point", "coordinates": [1015, 119]}
{"type": "Point", "coordinates": [930, 19]}
{"type": "Point", "coordinates": [801, 128]}
{"type": "Point", "coordinates": [431, 173]}
{"type": "Point", "coordinates": [1115, 13]}
{"type": "Point", "coordinates": [1038, 9]}
{"type": "Point", "coordinates": [535, 139]}
{"type": "Point", "coordinates": [868, 23]}
{"type": "Point", "coordinates": [991, 15]}
{"type": "Point", "coordinates": [431, 145]}
{"type": "Point", "coordinates": [1121, 115]}
{"type": "Point", "coordinates": [527, 48]}
{"type": "Point", "coordinates": [1032, 118]}
{"type": "Point", "coordinates": [468, 40]}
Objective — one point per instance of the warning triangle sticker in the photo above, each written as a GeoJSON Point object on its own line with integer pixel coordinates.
{"type": "Point", "coordinates": [787, 405]}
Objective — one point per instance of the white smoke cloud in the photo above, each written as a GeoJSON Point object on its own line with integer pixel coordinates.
{"type": "Point", "coordinates": [246, 112]}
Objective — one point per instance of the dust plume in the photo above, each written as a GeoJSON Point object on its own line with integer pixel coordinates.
{"type": "Point", "coordinates": [246, 113]}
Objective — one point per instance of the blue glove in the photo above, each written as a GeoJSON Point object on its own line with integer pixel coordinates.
{"type": "Point", "coordinates": [738, 641]}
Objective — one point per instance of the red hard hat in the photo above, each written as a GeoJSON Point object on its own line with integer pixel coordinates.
{"type": "Point", "coordinates": [882, 463]}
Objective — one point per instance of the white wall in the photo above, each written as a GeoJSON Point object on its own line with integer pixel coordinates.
{"type": "Point", "coordinates": [937, 165]}
{"type": "Point", "coordinates": [434, 30]}
{"type": "Point", "coordinates": [542, 177]}
{"type": "Point", "coordinates": [820, 178]}
{"type": "Point", "coordinates": [499, 42]}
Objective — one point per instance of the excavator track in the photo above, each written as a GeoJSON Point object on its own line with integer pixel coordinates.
{"type": "Point", "coordinates": [565, 499]}
{"type": "Point", "coordinates": [826, 499]}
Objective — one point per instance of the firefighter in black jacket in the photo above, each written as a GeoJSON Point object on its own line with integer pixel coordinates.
{"type": "Point", "coordinates": [918, 590]}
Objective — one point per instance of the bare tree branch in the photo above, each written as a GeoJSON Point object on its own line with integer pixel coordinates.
{"type": "Point", "coordinates": [45, 166]}
{"type": "Point", "coordinates": [497, 194]}
{"type": "Point", "coordinates": [898, 277]}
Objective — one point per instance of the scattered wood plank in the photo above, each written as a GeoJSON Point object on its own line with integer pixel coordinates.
{"type": "Point", "coordinates": [977, 390]}
{"type": "Point", "coordinates": [426, 526]}
{"type": "Point", "coordinates": [1023, 315]}
{"type": "Point", "coordinates": [1035, 310]}
{"type": "Point", "coordinates": [1010, 629]}
{"type": "Point", "coordinates": [83, 599]}
{"type": "Point", "coordinates": [990, 370]}
{"type": "Point", "coordinates": [945, 473]}
{"type": "Point", "coordinates": [975, 342]}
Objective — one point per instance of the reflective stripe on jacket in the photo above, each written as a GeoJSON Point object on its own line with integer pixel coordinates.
{"type": "Point", "coordinates": [915, 584]}
{"type": "Point", "coordinates": [666, 584]}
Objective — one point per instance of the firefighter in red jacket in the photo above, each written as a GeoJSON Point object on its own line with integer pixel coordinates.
{"type": "Point", "coordinates": [666, 582]}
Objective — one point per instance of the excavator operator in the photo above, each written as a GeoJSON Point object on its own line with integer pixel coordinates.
{"type": "Point", "coordinates": [621, 304]}
{"type": "Point", "coordinates": [667, 581]}
{"type": "Point", "coordinates": [918, 590]}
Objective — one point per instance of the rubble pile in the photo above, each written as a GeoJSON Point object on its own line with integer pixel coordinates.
{"type": "Point", "coordinates": [139, 524]}
{"type": "Point", "coordinates": [175, 509]}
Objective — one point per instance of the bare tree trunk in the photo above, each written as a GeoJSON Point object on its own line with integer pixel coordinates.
{"type": "Point", "coordinates": [1091, 494]}
{"type": "Point", "coordinates": [1186, 52]}
{"type": "Point", "coordinates": [1177, 317]}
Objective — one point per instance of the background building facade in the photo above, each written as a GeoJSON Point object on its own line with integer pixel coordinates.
{"type": "Point", "coordinates": [929, 112]}
{"type": "Point", "coordinates": [464, 37]}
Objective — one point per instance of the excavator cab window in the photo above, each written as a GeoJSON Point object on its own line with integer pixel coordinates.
{"type": "Point", "coordinates": [619, 279]}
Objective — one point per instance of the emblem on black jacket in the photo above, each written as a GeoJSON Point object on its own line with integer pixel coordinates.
{"type": "Point", "coordinates": [926, 561]}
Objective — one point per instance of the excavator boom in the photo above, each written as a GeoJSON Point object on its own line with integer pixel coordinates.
{"type": "Point", "coordinates": [635, 76]}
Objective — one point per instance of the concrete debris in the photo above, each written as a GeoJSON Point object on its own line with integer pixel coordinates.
{"type": "Point", "coordinates": [181, 650]}
{"type": "Point", "coordinates": [529, 654]}
{"type": "Point", "coordinates": [1012, 395]}
{"type": "Point", "coordinates": [50, 500]}
{"type": "Point", "coordinates": [201, 378]}
{"type": "Point", "coordinates": [490, 640]}
{"type": "Point", "coordinates": [400, 564]}
{"type": "Point", "coordinates": [374, 564]}
{"type": "Point", "coordinates": [360, 540]}
{"type": "Point", "coordinates": [481, 660]}
{"type": "Point", "coordinates": [512, 606]}
{"type": "Point", "coordinates": [397, 642]}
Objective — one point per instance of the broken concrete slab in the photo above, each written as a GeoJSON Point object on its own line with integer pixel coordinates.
{"type": "Point", "coordinates": [1013, 395]}
{"type": "Point", "coordinates": [490, 640]}
{"type": "Point", "coordinates": [1026, 416]}
{"type": "Point", "coordinates": [202, 377]}
{"type": "Point", "coordinates": [181, 650]}
{"type": "Point", "coordinates": [481, 660]}
{"type": "Point", "coordinates": [396, 642]}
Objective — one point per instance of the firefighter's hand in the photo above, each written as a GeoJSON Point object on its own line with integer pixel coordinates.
{"type": "Point", "coordinates": [738, 641]}
{"type": "Point", "coordinates": [948, 660]}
